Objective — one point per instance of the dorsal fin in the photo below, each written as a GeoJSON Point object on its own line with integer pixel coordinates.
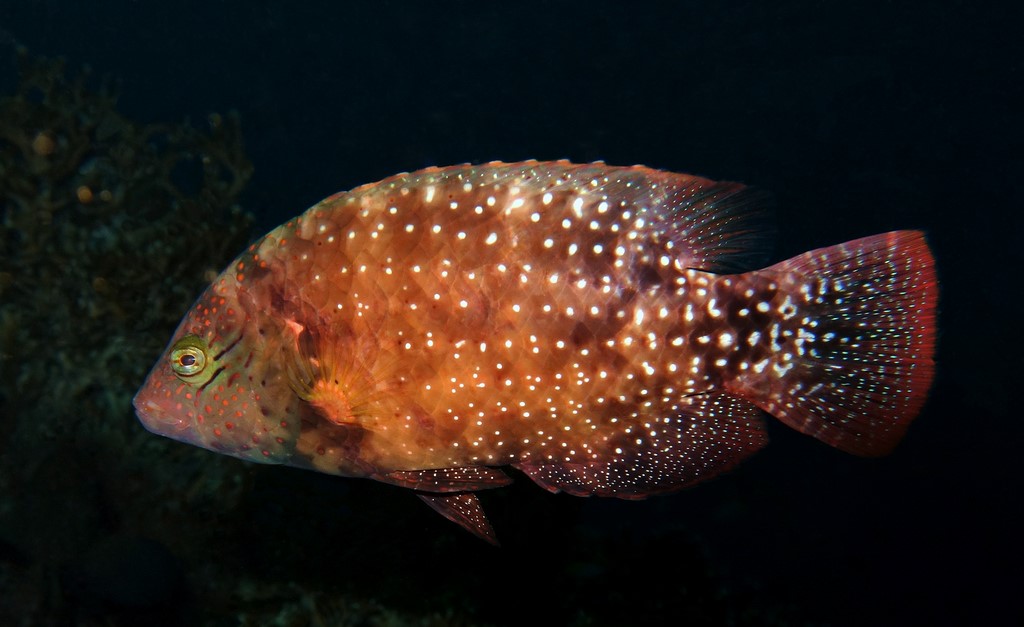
{"type": "Point", "coordinates": [722, 227]}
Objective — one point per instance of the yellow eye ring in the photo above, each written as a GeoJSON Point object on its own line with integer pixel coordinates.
{"type": "Point", "coordinates": [188, 357]}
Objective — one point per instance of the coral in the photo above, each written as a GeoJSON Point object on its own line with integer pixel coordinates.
{"type": "Point", "coordinates": [102, 241]}
{"type": "Point", "coordinates": [109, 230]}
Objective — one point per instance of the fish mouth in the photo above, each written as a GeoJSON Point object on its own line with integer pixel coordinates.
{"type": "Point", "coordinates": [157, 420]}
{"type": "Point", "coordinates": [145, 410]}
{"type": "Point", "coordinates": [149, 413]}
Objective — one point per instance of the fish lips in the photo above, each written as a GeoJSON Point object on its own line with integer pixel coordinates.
{"type": "Point", "coordinates": [170, 422]}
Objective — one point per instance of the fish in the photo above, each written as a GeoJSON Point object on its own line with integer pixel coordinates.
{"type": "Point", "coordinates": [605, 331]}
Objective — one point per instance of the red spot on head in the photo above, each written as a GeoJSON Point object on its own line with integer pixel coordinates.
{"type": "Point", "coordinates": [229, 425]}
{"type": "Point", "coordinates": [217, 432]}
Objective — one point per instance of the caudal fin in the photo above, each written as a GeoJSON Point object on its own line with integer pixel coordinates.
{"type": "Point", "coordinates": [853, 348]}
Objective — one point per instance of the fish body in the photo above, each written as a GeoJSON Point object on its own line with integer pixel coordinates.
{"type": "Point", "coordinates": [606, 330]}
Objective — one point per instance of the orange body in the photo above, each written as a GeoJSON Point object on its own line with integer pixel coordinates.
{"type": "Point", "coordinates": [583, 323]}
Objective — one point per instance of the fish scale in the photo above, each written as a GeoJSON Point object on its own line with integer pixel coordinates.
{"type": "Point", "coordinates": [590, 325]}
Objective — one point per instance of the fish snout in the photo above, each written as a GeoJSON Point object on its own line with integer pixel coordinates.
{"type": "Point", "coordinates": [158, 419]}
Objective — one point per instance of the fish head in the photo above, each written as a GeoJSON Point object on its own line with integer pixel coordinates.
{"type": "Point", "coordinates": [218, 386]}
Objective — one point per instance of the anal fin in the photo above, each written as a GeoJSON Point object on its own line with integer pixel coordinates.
{"type": "Point", "coordinates": [711, 434]}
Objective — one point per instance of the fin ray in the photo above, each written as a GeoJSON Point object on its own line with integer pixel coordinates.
{"type": "Point", "coordinates": [461, 479]}
{"type": "Point", "coordinates": [720, 227]}
{"type": "Point", "coordinates": [863, 371]}
{"type": "Point", "coordinates": [463, 509]}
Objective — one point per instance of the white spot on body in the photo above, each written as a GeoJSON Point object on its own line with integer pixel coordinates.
{"type": "Point", "coordinates": [781, 370]}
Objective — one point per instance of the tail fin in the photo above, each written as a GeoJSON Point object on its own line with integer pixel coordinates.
{"type": "Point", "coordinates": [853, 352]}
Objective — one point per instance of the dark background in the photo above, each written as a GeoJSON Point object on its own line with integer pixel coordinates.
{"type": "Point", "coordinates": [859, 117]}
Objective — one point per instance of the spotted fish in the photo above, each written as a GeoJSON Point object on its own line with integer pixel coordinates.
{"type": "Point", "coordinates": [605, 330]}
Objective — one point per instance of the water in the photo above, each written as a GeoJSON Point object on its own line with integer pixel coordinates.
{"type": "Point", "coordinates": [859, 118]}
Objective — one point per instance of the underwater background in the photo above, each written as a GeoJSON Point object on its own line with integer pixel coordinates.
{"type": "Point", "coordinates": [201, 125]}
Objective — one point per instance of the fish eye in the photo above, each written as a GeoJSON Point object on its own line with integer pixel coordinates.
{"type": "Point", "coordinates": [188, 357]}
